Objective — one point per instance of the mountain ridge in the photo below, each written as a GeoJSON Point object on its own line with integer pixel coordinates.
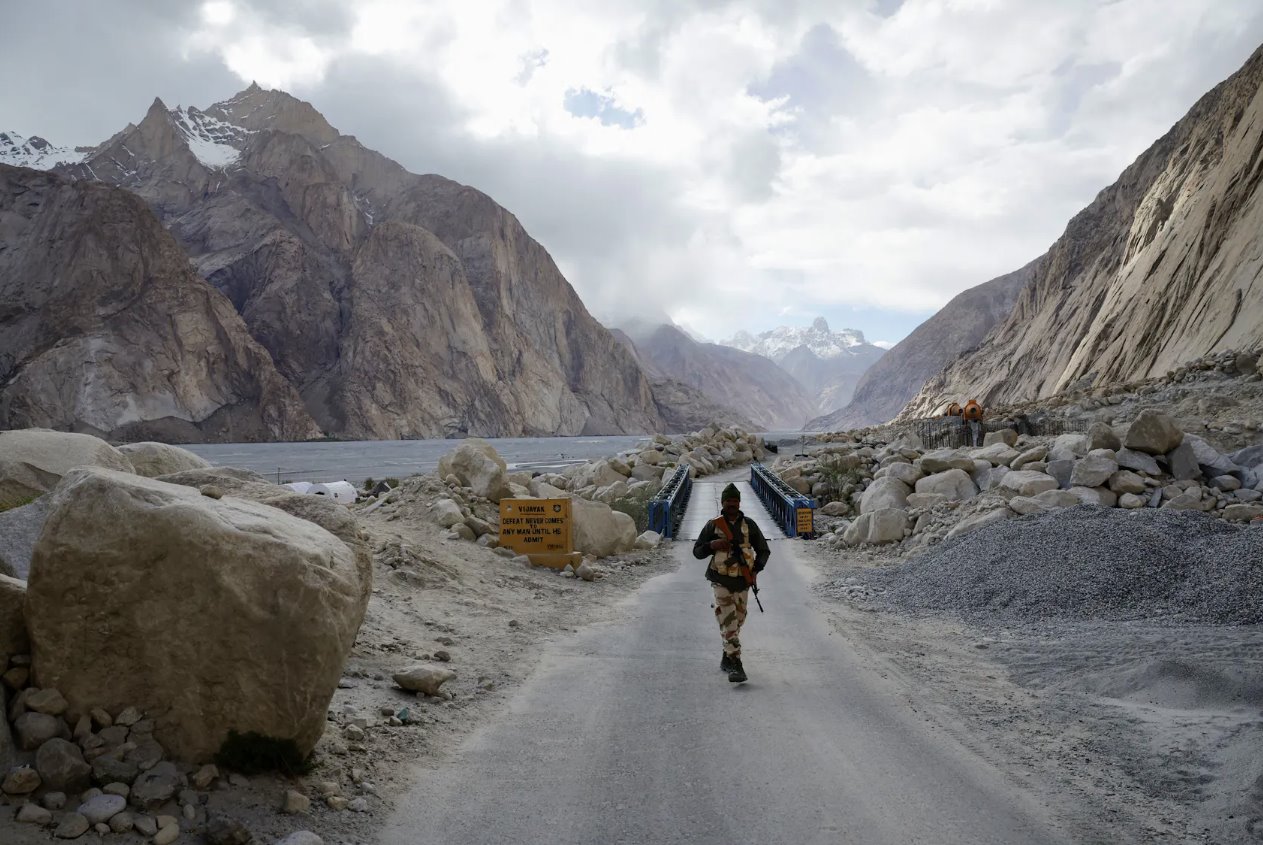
{"type": "Point", "coordinates": [278, 211]}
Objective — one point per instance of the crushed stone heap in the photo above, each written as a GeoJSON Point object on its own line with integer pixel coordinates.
{"type": "Point", "coordinates": [1086, 563]}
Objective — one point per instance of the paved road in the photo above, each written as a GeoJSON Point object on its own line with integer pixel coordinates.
{"type": "Point", "coordinates": [628, 733]}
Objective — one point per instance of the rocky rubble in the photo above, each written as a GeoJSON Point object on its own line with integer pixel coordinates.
{"type": "Point", "coordinates": [609, 494]}
{"type": "Point", "coordinates": [1085, 563]}
{"type": "Point", "coordinates": [888, 490]}
{"type": "Point", "coordinates": [135, 713]}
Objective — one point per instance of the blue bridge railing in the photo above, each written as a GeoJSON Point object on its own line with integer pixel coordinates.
{"type": "Point", "coordinates": [667, 508]}
{"type": "Point", "coordinates": [792, 510]}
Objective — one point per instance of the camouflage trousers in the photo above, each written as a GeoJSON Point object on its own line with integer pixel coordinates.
{"type": "Point", "coordinates": [730, 611]}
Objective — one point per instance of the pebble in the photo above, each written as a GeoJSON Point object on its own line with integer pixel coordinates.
{"type": "Point", "coordinates": [301, 837]}
{"type": "Point", "coordinates": [129, 717]}
{"type": "Point", "coordinates": [205, 776]}
{"type": "Point", "coordinates": [21, 781]}
{"type": "Point", "coordinates": [167, 835]}
{"type": "Point", "coordinates": [295, 802]}
{"type": "Point", "coordinates": [102, 808]}
{"type": "Point", "coordinates": [72, 827]}
{"type": "Point", "coordinates": [34, 814]}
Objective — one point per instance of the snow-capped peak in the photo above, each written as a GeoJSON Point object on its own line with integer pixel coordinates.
{"type": "Point", "coordinates": [784, 339]}
{"type": "Point", "coordinates": [36, 153]}
{"type": "Point", "coordinates": [216, 143]}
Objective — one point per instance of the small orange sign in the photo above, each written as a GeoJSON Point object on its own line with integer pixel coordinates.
{"type": "Point", "coordinates": [804, 520]}
{"type": "Point", "coordinates": [540, 529]}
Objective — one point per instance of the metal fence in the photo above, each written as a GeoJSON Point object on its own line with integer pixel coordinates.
{"type": "Point", "coordinates": [955, 432]}
{"type": "Point", "coordinates": [666, 509]}
{"type": "Point", "coordinates": [792, 510]}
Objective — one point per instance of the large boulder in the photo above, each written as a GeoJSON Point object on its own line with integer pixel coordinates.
{"type": "Point", "coordinates": [1101, 436]}
{"type": "Point", "coordinates": [33, 460]}
{"type": "Point", "coordinates": [223, 614]}
{"type": "Point", "coordinates": [883, 526]}
{"type": "Point", "coordinates": [1006, 436]}
{"type": "Point", "coordinates": [941, 460]}
{"type": "Point", "coordinates": [997, 454]}
{"type": "Point", "coordinates": [906, 473]}
{"type": "Point", "coordinates": [1183, 463]}
{"type": "Point", "coordinates": [599, 530]}
{"type": "Point", "coordinates": [1153, 433]}
{"type": "Point", "coordinates": [1094, 470]}
{"type": "Point", "coordinates": [19, 529]}
{"type": "Point", "coordinates": [1068, 447]}
{"type": "Point", "coordinates": [154, 459]}
{"type": "Point", "coordinates": [1139, 461]}
{"type": "Point", "coordinates": [1126, 481]}
{"type": "Point", "coordinates": [885, 493]}
{"type": "Point", "coordinates": [955, 484]}
{"type": "Point", "coordinates": [478, 466]}
{"type": "Point", "coordinates": [979, 520]}
{"type": "Point", "coordinates": [1028, 482]}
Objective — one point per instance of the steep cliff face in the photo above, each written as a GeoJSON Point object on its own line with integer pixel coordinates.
{"type": "Point", "coordinates": [751, 384]}
{"type": "Point", "coordinates": [1163, 267]}
{"type": "Point", "coordinates": [683, 408]}
{"type": "Point", "coordinates": [451, 320]}
{"type": "Point", "coordinates": [958, 327]}
{"type": "Point", "coordinates": [105, 329]}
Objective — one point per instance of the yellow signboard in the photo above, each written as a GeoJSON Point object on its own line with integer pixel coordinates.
{"type": "Point", "coordinates": [804, 521]}
{"type": "Point", "coordinates": [540, 529]}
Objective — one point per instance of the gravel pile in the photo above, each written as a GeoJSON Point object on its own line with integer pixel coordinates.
{"type": "Point", "coordinates": [1086, 563]}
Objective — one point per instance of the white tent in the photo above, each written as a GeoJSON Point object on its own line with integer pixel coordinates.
{"type": "Point", "coordinates": [299, 486]}
{"type": "Point", "coordinates": [342, 492]}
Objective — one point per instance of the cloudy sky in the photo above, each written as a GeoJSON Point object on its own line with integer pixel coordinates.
{"type": "Point", "coordinates": [733, 165]}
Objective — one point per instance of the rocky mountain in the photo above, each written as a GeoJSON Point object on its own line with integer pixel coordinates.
{"type": "Point", "coordinates": [1163, 267]}
{"type": "Point", "coordinates": [398, 305]}
{"type": "Point", "coordinates": [958, 327]}
{"type": "Point", "coordinates": [105, 329]}
{"type": "Point", "coordinates": [828, 363]}
{"type": "Point", "coordinates": [35, 152]}
{"type": "Point", "coordinates": [752, 385]}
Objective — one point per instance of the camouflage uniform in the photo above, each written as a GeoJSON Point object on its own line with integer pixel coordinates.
{"type": "Point", "coordinates": [726, 572]}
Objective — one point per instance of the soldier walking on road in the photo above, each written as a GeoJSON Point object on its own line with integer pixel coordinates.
{"type": "Point", "coordinates": [738, 552]}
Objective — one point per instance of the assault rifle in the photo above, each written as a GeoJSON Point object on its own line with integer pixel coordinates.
{"type": "Point", "coordinates": [752, 579]}
{"type": "Point", "coordinates": [748, 573]}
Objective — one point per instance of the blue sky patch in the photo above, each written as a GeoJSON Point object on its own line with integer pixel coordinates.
{"type": "Point", "coordinates": [584, 102]}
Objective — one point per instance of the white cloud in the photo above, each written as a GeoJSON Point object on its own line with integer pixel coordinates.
{"type": "Point", "coordinates": [908, 157]}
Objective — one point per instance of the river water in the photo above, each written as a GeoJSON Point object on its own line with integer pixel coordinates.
{"type": "Point", "coordinates": [356, 460]}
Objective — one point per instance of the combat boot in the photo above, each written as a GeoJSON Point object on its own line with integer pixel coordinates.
{"type": "Point", "coordinates": [725, 663]}
{"type": "Point", "coordinates": [736, 674]}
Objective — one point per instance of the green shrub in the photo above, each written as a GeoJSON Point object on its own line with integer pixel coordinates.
{"type": "Point", "coordinates": [252, 753]}
{"type": "Point", "coordinates": [10, 504]}
{"type": "Point", "coordinates": [836, 477]}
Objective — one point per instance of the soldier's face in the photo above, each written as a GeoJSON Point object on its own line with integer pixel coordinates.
{"type": "Point", "coordinates": [731, 507]}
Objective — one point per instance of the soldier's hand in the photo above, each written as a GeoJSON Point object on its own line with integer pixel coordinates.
{"type": "Point", "coordinates": [719, 544]}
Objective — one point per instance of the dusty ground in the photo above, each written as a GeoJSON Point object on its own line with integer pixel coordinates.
{"type": "Point", "coordinates": [1157, 729]}
{"type": "Point", "coordinates": [489, 615]}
